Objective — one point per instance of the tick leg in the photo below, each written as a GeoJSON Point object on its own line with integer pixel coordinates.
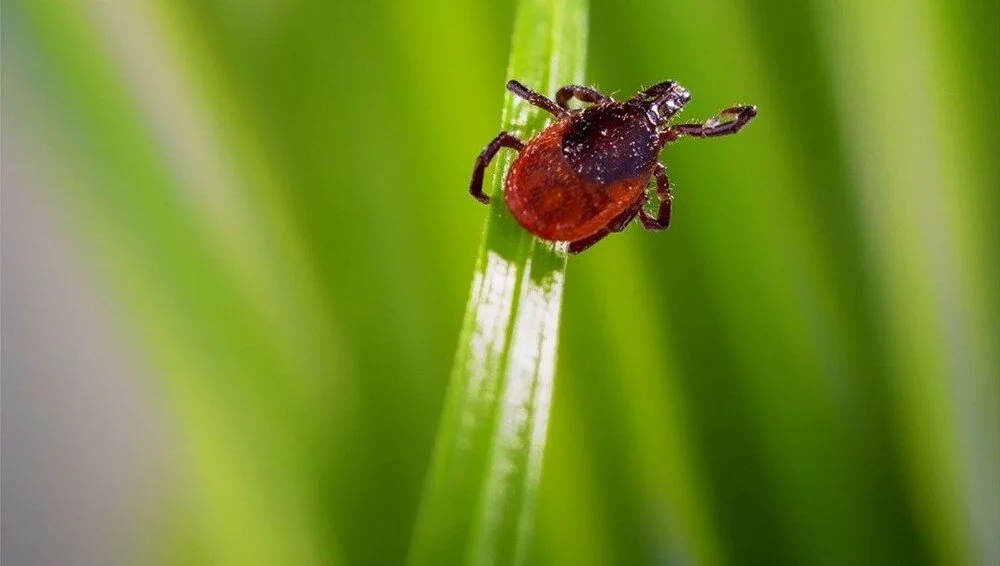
{"type": "Point", "coordinates": [580, 245]}
{"type": "Point", "coordinates": [581, 93]}
{"type": "Point", "coordinates": [662, 219]}
{"type": "Point", "coordinates": [742, 116]}
{"type": "Point", "coordinates": [617, 224]}
{"type": "Point", "coordinates": [503, 139]}
{"type": "Point", "coordinates": [535, 99]}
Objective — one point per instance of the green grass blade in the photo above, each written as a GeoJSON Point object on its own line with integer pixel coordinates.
{"type": "Point", "coordinates": [479, 500]}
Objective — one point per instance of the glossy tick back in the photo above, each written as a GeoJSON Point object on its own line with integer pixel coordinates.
{"type": "Point", "coordinates": [585, 175]}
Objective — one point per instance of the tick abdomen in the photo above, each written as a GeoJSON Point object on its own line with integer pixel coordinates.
{"type": "Point", "coordinates": [556, 201]}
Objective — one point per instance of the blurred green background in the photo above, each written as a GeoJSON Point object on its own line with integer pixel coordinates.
{"type": "Point", "coordinates": [803, 370]}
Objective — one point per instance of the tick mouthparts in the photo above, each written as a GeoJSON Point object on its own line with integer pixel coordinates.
{"type": "Point", "coordinates": [678, 97]}
{"type": "Point", "coordinates": [669, 103]}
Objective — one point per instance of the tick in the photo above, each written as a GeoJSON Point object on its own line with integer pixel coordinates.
{"type": "Point", "coordinates": [585, 175]}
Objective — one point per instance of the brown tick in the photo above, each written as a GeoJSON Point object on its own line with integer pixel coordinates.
{"type": "Point", "coordinates": [585, 175]}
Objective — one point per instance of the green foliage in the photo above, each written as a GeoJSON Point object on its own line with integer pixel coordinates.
{"type": "Point", "coordinates": [802, 370]}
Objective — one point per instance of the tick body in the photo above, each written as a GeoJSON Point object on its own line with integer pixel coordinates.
{"type": "Point", "coordinates": [585, 175]}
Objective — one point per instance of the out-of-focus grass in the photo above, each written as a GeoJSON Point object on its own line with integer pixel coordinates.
{"type": "Point", "coordinates": [802, 370]}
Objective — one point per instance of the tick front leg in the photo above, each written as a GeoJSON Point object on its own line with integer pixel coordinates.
{"type": "Point", "coordinates": [581, 93]}
{"type": "Point", "coordinates": [713, 128]}
{"type": "Point", "coordinates": [535, 99]}
{"type": "Point", "coordinates": [503, 139]}
{"type": "Point", "coordinates": [662, 219]}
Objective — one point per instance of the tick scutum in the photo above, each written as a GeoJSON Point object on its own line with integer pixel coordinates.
{"type": "Point", "coordinates": [610, 143]}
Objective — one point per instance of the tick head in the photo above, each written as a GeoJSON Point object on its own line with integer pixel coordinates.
{"type": "Point", "coordinates": [662, 101]}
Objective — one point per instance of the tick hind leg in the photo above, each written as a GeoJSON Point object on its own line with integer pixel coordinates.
{"type": "Point", "coordinates": [535, 99]}
{"type": "Point", "coordinates": [581, 93]}
{"type": "Point", "coordinates": [662, 218]}
{"type": "Point", "coordinates": [617, 224]}
{"type": "Point", "coordinates": [503, 139]}
{"type": "Point", "coordinates": [649, 222]}
{"type": "Point", "coordinates": [713, 128]}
